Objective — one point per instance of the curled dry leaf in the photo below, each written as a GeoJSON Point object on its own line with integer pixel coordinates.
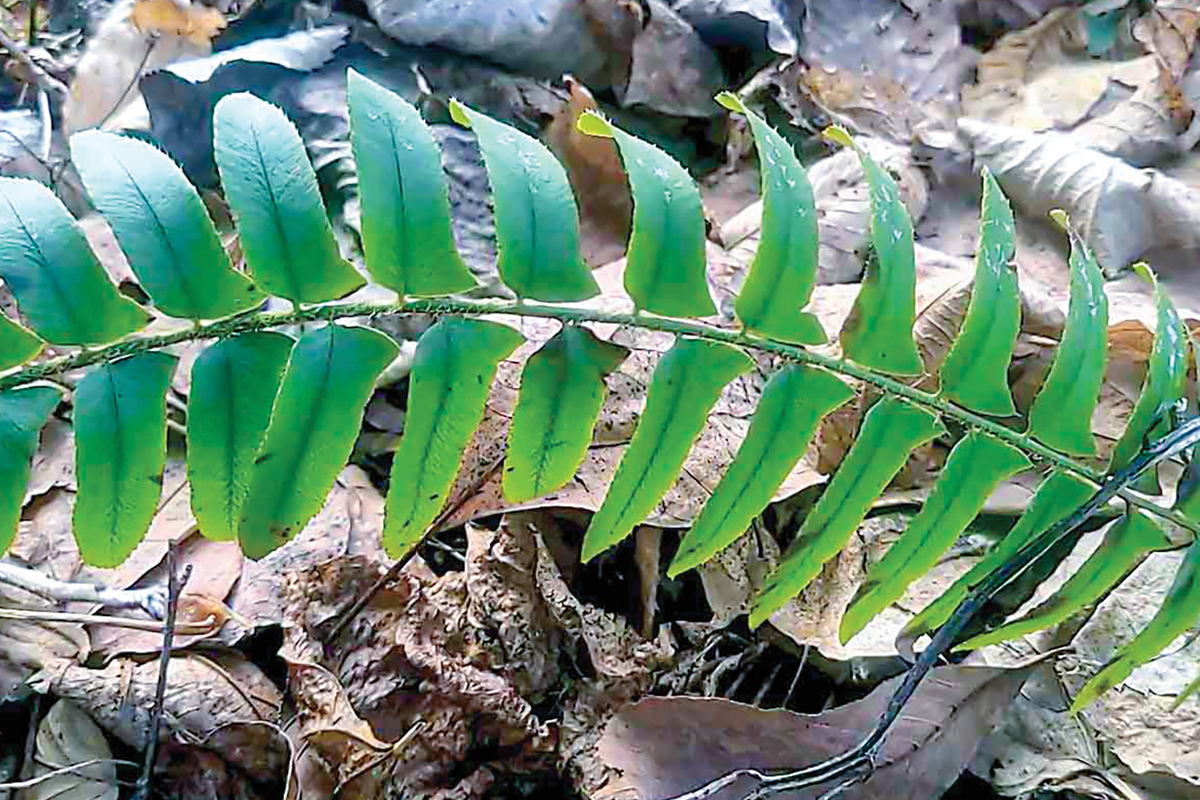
{"type": "Point", "coordinates": [203, 693]}
{"type": "Point", "coordinates": [1121, 212]}
{"type": "Point", "coordinates": [664, 746]}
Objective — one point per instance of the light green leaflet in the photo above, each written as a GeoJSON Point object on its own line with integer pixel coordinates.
{"type": "Point", "coordinates": [976, 465]}
{"type": "Point", "coordinates": [1178, 612]}
{"type": "Point", "coordinates": [452, 371]}
{"type": "Point", "coordinates": [537, 227]}
{"type": "Point", "coordinates": [23, 412]}
{"type": "Point", "coordinates": [792, 403]}
{"type": "Point", "coordinates": [1187, 692]}
{"type": "Point", "coordinates": [665, 264]}
{"type": "Point", "coordinates": [272, 190]}
{"type": "Point", "coordinates": [61, 289]}
{"type": "Point", "coordinates": [685, 386]}
{"type": "Point", "coordinates": [162, 227]}
{"type": "Point", "coordinates": [1126, 543]}
{"type": "Point", "coordinates": [406, 232]}
{"type": "Point", "coordinates": [1074, 381]}
{"type": "Point", "coordinates": [17, 345]}
{"type": "Point", "coordinates": [1166, 379]}
{"type": "Point", "coordinates": [975, 372]}
{"type": "Point", "coordinates": [120, 449]}
{"type": "Point", "coordinates": [890, 431]}
{"type": "Point", "coordinates": [316, 419]}
{"type": "Point", "coordinates": [562, 390]}
{"type": "Point", "coordinates": [784, 271]}
{"type": "Point", "coordinates": [878, 332]}
{"type": "Point", "coordinates": [1059, 495]}
{"type": "Point", "coordinates": [234, 384]}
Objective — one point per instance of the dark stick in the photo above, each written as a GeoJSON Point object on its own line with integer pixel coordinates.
{"type": "Point", "coordinates": [175, 586]}
{"type": "Point", "coordinates": [863, 755]}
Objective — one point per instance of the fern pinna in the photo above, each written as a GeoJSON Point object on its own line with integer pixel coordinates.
{"type": "Point", "coordinates": [272, 419]}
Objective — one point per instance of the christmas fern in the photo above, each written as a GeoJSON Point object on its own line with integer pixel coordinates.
{"type": "Point", "coordinates": [272, 419]}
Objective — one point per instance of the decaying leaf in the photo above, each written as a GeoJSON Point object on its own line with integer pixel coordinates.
{"type": "Point", "coordinates": [66, 735]}
{"type": "Point", "coordinates": [664, 746]}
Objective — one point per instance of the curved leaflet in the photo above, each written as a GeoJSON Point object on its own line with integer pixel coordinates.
{"type": "Point", "coordinates": [315, 421]}
{"type": "Point", "coordinates": [452, 372]}
{"type": "Point", "coordinates": [792, 404]}
{"type": "Point", "coordinates": [1059, 495]}
{"type": "Point", "coordinates": [878, 332]}
{"type": "Point", "coordinates": [234, 384]}
{"type": "Point", "coordinates": [781, 279]}
{"type": "Point", "coordinates": [272, 190]}
{"type": "Point", "coordinates": [61, 289]}
{"type": "Point", "coordinates": [975, 372]}
{"type": "Point", "coordinates": [120, 450]}
{"type": "Point", "coordinates": [406, 234]}
{"type": "Point", "coordinates": [1166, 379]}
{"type": "Point", "coordinates": [976, 464]}
{"type": "Point", "coordinates": [17, 345]}
{"type": "Point", "coordinates": [562, 390]}
{"type": "Point", "coordinates": [1074, 380]}
{"type": "Point", "coordinates": [1178, 613]}
{"type": "Point", "coordinates": [890, 431]}
{"type": "Point", "coordinates": [537, 227]}
{"type": "Point", "coordinates": [665, 264]}
{"type": "Point", "coordinates": [1126, 543]}
{"type": "Point", "coordinates": [685, 385]}
{"type": "Point", "coordinates": [23, 412]}
{"type": "Point", "coordinates": [162, 227]}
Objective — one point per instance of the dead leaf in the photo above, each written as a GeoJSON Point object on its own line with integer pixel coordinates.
{"type": "Point", "coordinates": [673, 71]}
{"type": "Point", "coordinates": [66, 735]}
{"type": "Point", "coordinates": [664, 746]}
{"type": "Point", "coordinates": [203, 693]}
{"type": "Point", "coordinates": [197, 23]}
{"type": "Point", "coordinates": [1121, 212]}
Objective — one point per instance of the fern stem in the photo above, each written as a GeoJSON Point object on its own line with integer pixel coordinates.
{"type": "Point", "coordinates": [245, 323]}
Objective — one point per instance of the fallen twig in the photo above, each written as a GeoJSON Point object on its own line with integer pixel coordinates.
{"type": "Point", "coordinates": [44, 79]}
{"type": "Point", "coordinates": [209, 625]}
{"type": "Point", "coordinates": [175, 584]}
{"type": "Point", "coordinates": [153, 600]}
{"type": "Point", "coordinates": [31, 782]}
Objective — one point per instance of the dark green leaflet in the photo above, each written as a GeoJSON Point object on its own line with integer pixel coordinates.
{"type": "Point", "coordinates": [406, 233]}
{"type": "Point", "coordinates": [781, 279]}
{"type": "Point", "coordinates": [1125, 544]}
{"type": "Point", "coordinates": [1056, 498]}
{"type": "Point", "coordinates": [61, 289]}
{"type": "Point", "coordinates": [975, 372]}
{"type": "Point", "coordinates": [976, 465]}
{"type": "Point", "coordinates": [537, 227]}
{"type": "Point", "coordinates": [890, 431]}
{"type": "Point", "coordinates": [686, 384]}
{"type": "Point", "coordinates": [1074, 380]}
{"type": "Point", "coordinates": [1166, 379]}
{"type": "Point", "coordinates": [455, 362]}
{"type": "Point", "coordinates": [792, 404]}
{"type": "Point", "coordinates": [315, 421]}
{"type": "Point", "coordinates": [17, 345]}
{"type": "Point", "coordinates": [1178, 612]}
{"type": "Point", "coordinates": [234, 384]}
{"type": "Point", "coordinates": [162, 227]}
{"type": "Point", "coordinates": [664, 269]}
{"type": "Point", "coordinates": [562, 390]}
{"type": "Point", "coordinates": [273, 192]}
{"type": "Point", "coordinates": [23, 412]}
{"type": "Point", "coordinates": [878, 332]}
{"type": "Point", "coordinates": [120, 450]}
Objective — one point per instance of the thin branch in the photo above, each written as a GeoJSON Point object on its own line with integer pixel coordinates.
{"type": "Point", "coordinates": [256, 322]}
{"type": "Point", "coordinates": [28, 784]}
{"type": "Point", "coordinates": [44, 79]}
{"type": "Point", "coordinates": [175, 584]}
{"type": "Point", "coordinates": [153, 601]}
{"type": "Point", "coordinates": [209, 625]}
